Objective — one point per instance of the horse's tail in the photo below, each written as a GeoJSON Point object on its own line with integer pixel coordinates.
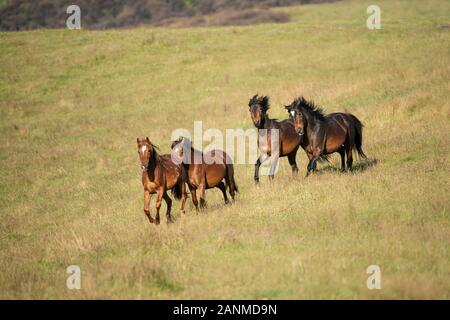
{"type": "Point", "coordinates": [358, 136]}
{"type": "Point", "coordinates": [235, 187]}
{"type": "Point", "coordinates": [230, 178]}
{"type": "Point", "coordinates": [177, 190]}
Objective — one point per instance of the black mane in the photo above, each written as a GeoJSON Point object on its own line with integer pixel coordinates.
{"type": "Point", "coordinates": [263, 101]}
{"type": "Point", "coordinates": [309, 107]}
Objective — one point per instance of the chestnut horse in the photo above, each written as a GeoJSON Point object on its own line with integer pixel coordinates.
{"type": "Point", "coordinates": [205, 170]}
{"type": "Point", "coordinates": [326, 134]}
{"type": "Point", "coordinates": [289, 140]}
{"type": "Point", "coordinates": [160, 174]}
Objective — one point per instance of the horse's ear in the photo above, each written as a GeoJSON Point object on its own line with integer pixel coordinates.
{"type": "Point", "coordinates": [265, 102]}
{"type": "Point", "coordinates": [252, 100]}
{"type": "Point", "coordinates": [287, 107]}
{"type": "Point", "coordinates": [138, 140]}
{"type": "Point", "coordinates": [147, 139]}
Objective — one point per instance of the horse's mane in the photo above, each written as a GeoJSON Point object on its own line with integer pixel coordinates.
{"type": "Point", "coordinates": [309, 107]}
{"type": "Point", "coordinates": [261, 100]}
{"type": "Point", "coordinates": [155, 153]}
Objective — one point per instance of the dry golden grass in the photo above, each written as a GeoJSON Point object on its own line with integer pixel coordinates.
{"type": "Point", "coordinates": [73, 103]}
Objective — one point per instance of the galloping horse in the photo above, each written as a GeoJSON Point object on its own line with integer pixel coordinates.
{"type": "Point", "coordinates": [289, 140]}
{"type": "Point", "coordinates": [205, 171]}
{"type": "Point", "coordinates": [160, 174]}
{"type": "Point", "coordinates": [326, 134]}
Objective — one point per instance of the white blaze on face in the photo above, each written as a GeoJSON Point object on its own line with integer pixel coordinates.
{"type": "Point", "coordinates": [293, 114]}
{"type": "Point", "coordinates": [143, 149]}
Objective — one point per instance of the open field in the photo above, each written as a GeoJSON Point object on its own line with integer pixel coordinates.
{"type": "Point", "coordinates": [73, 102]}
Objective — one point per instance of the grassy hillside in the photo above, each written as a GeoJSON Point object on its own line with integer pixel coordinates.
{"type": "Point", "coordinates": [73, 102]}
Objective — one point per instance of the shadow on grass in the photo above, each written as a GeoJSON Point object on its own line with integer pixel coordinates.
{"type": "Point", "coordinates": [360, 166]}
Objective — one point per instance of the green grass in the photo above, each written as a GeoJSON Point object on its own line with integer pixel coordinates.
{"type": "Point", "coordinates": [73, 102]}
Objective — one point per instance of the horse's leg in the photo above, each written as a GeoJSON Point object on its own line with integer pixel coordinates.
{"type": "Point", "coordinates": [310, 156]}
{"type": "Point", "coordinates": [261, 159]}
{"type": "Point", "coordinates": [342, 153]}
{"type": "Point", "coordinates": [183, 198]}
{"type": "Point", "coordinates": [349, 151]}
{"type": "Point", "coordinates": [349, 145]}
{"type": "Point", "coordinates": [274, 158]}
{"type": "Point", "coordinates": [202, 191]}
{"type": "Point", "coordinates": [222, 188]}
{"type": "Point", "coordinates": [312, 165]}
{"type": "Point", "coordinates": [194, 197]}
{"type": "Point", "coordinates": [292, 161]}
{"type": "Point", "coordinates": [257, 165]}
{"type": "Point", "coordinates": [159, 197]}
{"type": "Point", "coordinates": [169, 207]}
{"type": "Point", "coordinates": [147, 198]}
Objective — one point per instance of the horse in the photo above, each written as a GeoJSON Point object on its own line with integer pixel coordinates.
{"type": "Point", "coordinates": [159, 174]}
{"type": "Point", "coordinates": [288, 140]}
{"type": "Point", "coordinates": [205, 171]}
{"type": "Point", "coordinates": [326, 134]}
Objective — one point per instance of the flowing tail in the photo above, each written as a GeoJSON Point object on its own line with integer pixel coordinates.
{"type": "Point", "coordinates": [176, 191]}
{"type": "Point", "coordinates": [230, 178]}
{"type": "Point", "coordinates": [358, 136]}
{"type": "Point", "coordinates": [235, 185]}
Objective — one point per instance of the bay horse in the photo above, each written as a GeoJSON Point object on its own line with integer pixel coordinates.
{"type": "Point", "coordinates": [159, 174]}
{"type": "Point", "coordinates": [289, 140]}
{"type": "Point", "coordinates": [325, 134]}
{"type": "Point", "coordinates": [205, 170]}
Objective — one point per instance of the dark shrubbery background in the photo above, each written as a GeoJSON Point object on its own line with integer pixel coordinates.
{"type": "Point", "coordinates": [101, 14]}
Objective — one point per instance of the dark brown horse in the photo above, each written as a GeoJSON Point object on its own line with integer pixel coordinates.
{"type": "Point", "coordinates": [288, 140]}
{"type": "Point", "coordinates": [205, 170]}
{"type": "Point", "coordinates": [159, 174]}
{"type": "Point", "coordinates": [326, 134]}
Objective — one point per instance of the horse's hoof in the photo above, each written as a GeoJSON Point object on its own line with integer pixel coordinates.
{"type": "Point", "coordinates": [157, 222]}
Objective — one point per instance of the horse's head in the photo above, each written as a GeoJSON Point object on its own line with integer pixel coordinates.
{"type": "Point", "coordinates": [258, 107]}
{"type": "Point", "coordinates": [297, 116]}
{"type": "Point", "coordinates": [180, 150]}
{"type": "Point", "coordinates": [145, 151]}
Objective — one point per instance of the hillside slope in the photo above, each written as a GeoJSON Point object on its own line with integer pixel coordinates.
{"type": "Point", "coordinates": [73, 102]}
{"type": "Point", "coordinates": [101, 14]}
